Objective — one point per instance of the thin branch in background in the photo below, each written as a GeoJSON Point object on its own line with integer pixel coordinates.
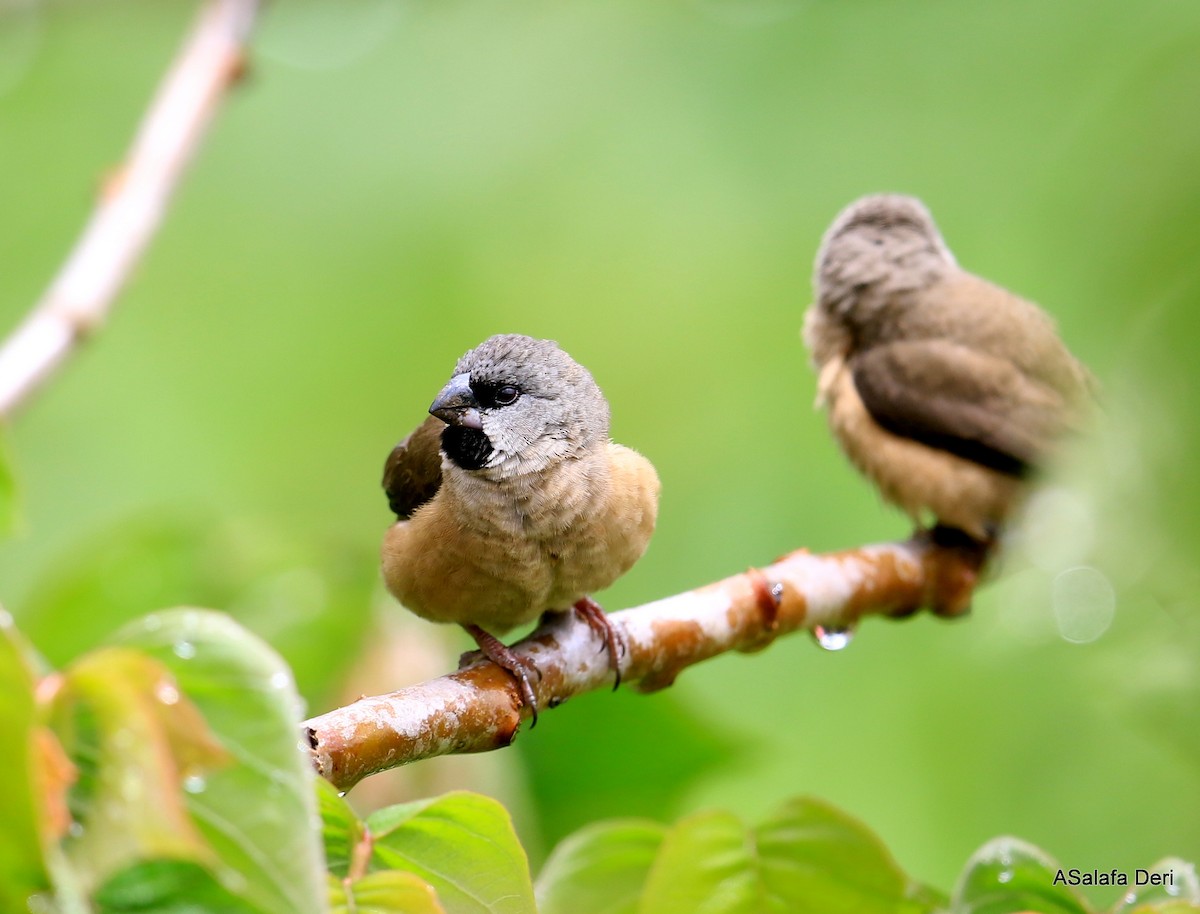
{"type": "Point", "coordinates": [133, 203]}
{"type": "Point", "coordinates": [479, 708]}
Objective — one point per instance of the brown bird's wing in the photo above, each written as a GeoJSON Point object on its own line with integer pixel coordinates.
{"type": "Point", "coordinates": [413, 471]}
{"type": "Point", "coordinates": [961, 400]}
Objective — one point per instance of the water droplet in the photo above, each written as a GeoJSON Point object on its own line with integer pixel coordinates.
{"type": "Point", "coordinates": [1004, 876]}
{"type": "Point", "coordinates": [280, 680]}
{"type": "Point", "coordinates": [342, 793]}
{"type": "Point", "coordinates": [777, 592]}
{"type": "Point", "coordinates": [184, 650]}
{"type": "Point", "coordinates": [1084, 604]}
{"type": "Point", "coordinates": [833, 639]}
{"type": "Point", "coordinates": [166, 693]}
{"type": "Point", "coordinates": [195, 783]}
{"type": "Point", "coordinates": [75, 829]}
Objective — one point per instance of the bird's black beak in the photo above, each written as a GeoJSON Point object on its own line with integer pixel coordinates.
{"type": "Point", "coordinates": [456, 404]}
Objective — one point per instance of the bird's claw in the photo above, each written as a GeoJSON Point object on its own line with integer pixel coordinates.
{"type": "Point", "coordinates": [526, 689]}
{"type": "Point", "coordinates": [514, 664]}
{"type": "Point", "coordinates": [611, 638]}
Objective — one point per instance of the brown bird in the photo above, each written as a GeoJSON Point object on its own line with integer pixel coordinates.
{"type": "Point", "coordinates": [943, 389]}
{"type": "Point", "coordinates": [511, 500]}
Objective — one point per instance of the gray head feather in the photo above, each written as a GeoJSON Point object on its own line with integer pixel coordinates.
{"type": "Point", "coordinates": [886, 243]}
{"type": "Point", "coordinates": [558, 410]}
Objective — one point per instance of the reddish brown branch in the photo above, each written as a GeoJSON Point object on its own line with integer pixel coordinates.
{"type": "Point", "coordinates": [478, 708]}
{"type": "Point", "coordinates": [132, 204]}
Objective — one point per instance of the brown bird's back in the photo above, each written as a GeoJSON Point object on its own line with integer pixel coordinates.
{"type": "Point", "coordinates": [943, 388]}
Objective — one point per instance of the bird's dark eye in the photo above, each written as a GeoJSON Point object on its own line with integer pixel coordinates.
{"type": "Point", "coordinates": [490, 394]}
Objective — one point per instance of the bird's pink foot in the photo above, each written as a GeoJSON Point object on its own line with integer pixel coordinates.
{"type": "Point", "coordinates": [518, 667]}
{"type": "Point", "coordinates": [614, 642]}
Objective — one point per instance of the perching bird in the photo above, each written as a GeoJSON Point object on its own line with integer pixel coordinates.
{"type": "Point", "coordinates": [511, 499]}
{"type": "Point", "coordinates": [944, 389]}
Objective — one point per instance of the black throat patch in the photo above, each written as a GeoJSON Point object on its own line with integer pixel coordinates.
{"type": "Point", "coordinates": [467, 447]}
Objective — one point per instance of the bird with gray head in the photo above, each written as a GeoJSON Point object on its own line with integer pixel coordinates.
{"type": "Point", "coordinates": [511, 500]}
{"type": "Point", "coordinates": [945, 390]}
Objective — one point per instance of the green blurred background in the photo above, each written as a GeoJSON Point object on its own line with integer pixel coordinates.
{"type": "Point", "coordinates": [647, 184]}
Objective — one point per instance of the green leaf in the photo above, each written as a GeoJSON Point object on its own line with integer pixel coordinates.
{"type": "Point", "coordinates": [810, 856]}
{"type": "Point", "coordinates": [257, 813]}
{"type": "Point", "coordinates": [463, 845]}
{"type": "Point", "coordinates": [1179, 892]}
{"type": "Point", "coordinates": [383, 891]}
{"type": "Point", "coordinates": [120, 713]}
{"type": "Point", "coordinates": [600, 868]}
{"type": "Point", "coordinates": [820, 853]}
{"type": "Point", "coordinates": [707, 863]}
{"type": "Point", "coordinates": [22, 872]}
{"type": "Point", "coordinates": [386, 892]}
{"type": "Point", "coordinates": [168, 887]}
{"type": "Point", "coordinates": [1007, 875]}
{"type": "Point", "coordinates": [340, 828]}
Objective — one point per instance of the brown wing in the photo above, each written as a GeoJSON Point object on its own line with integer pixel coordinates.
{"type": "Point", "coordinates": [960, 400]}
{"type": "Point", "coordinates": [413, 471]}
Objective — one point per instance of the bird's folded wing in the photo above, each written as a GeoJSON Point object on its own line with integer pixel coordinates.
{"type": "Point", "coordinates": [960, 400]}
{"type": "Point", "coordinates": [413, 471]}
